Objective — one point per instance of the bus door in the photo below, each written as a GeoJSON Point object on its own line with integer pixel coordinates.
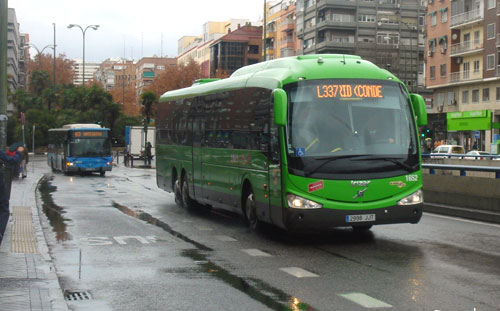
{"type": "Point", "coordinates": [275, 204]}
{"type": "Point", "coordinates": [197, 175]}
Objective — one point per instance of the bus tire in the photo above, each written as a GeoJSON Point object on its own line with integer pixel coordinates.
{"type": "Point", "coordinates": [250, 212]}
{"type": "Point", "coordinates": [186, 199]}
{"type": "Point", "coordinates": [52, 165]}
{"type": "Point", "coordinates": [102, 173]}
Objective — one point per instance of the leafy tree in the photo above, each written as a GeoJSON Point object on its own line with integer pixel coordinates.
{"type": "Point", "coordinates": [64, 67]}
{"type": "Point", "coordinates": [38, 82]}
{"type": "Point", "coordinates": [177, 77]}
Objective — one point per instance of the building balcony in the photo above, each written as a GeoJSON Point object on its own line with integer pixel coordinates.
{"type": "Point", "coordinates": [336, 45]}
{"type": "Point", "coordinates": [287, 26]}
{"type": "Point", "coordinates": [287, 43]}
{"type": "Point", "coordinates": [466, 18]}
{"type": "Point", "coordinates": [337, 4]}
{"type": "Point", "coordinates": [467, 47]}
{"type": "Point", "coordinates": [466, 75]}
{"type": "Point", "coordinates": [345, 23]}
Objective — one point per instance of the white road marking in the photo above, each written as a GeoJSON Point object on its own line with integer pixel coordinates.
{"type": "Point", "coordinates": [365, 300]}
{"type": "Point", "coordinates": [299, 272]}
{"type": "Point", "coordinates": [256, 252]}
{"type": "Point", "coordinates": [96, 241]}
{"type": "Point", "coordinates": [121, 239]}
{"type": "Point", "coordinates": [225, 238]}
{"type": "Point", "coordinates": [462, 220]}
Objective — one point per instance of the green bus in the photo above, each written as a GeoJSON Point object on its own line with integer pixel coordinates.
{"type": "Point", "coordinates": [309, 142]}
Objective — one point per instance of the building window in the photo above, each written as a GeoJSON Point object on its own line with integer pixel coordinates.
{"type": "Point", "coordinates": [451, 99]}
{"type": "Point", "coordinates": [490, 31]}
{"type": "Point", "coordinates": [253, 49]}
{"type": "Point", "coordinates": [476, 66]}
{"type": "Point", "coordinates": [465, 97]}
{"type": "Point", "coordinates": [490, 62]}
{"type": "Point", "coordinates": [433, 18]}
{"type": "Point", "coordinates": [491, 4]}
{"type": "Point", "coordinates": [475, 96]}
{"type": "Point", "coordinates": [433, 72]}
{"type": "Point", "coordinates": [367, 18]}
{"type": "Point", "coordinates": [444, 15]}
{"type": "Point", "coordinates": [442, 70]}
{"type": "Point", "coordinates": [498, 93]}
{"type": "Point", "coordinates": [486, 95]}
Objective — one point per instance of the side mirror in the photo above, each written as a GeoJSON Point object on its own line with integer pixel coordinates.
{"type": "Point", "coordinates": [418, 105]}
{"type": "Point", "coordinates": [280, 107]}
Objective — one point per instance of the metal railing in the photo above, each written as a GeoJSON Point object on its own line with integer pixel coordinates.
{"type": "Point", "coordinates": [466, 46]}
{"type": "Point", "coordinates": [466, 17]}
{"type": "Point", "coordinates": [462, 168]}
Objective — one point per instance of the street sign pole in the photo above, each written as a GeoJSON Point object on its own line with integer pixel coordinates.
{"type": "Point", "coordinates": [4, 4]}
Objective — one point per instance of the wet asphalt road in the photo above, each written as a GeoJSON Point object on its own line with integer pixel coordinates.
{"type": "Point", "coordinates": [140, 251]}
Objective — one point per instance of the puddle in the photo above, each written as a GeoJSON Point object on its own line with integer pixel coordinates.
{"type": "Point", "coordinates": [53, 212]}
{"type": "Point", "coordinates": [258, 290]}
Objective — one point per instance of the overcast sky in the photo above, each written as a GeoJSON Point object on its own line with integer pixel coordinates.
{"type": "Point", "coordinates": [127, 28]}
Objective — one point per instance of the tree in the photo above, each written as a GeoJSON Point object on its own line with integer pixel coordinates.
{"type": "Point", "coordinates": [38, 82]}
{"type": "Point", "coordinates": [64, 67]}
{"type": "Point", "coordinates": [148, 101]}
{"type": "Point", "coordinates": [177, 77]}
{"type": "Point", "coordinates": [125, 94]}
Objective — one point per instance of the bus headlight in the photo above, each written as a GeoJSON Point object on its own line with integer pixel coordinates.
{"type": "Point", "coordinates": [414, 198]}
{"type": "Point", "coordinates": [294, 201]}
{"type": "Point", "coordinates": [69, 164]}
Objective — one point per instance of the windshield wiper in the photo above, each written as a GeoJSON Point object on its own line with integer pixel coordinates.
{"type": "Point", "coordinates": [331, 159]}
{"type": "Point", "coordinates": [409, 168]}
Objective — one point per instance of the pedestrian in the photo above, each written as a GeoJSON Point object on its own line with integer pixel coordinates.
{"type": "Point", "coordinates": [148, 152]}
{"type": "Point", "coordinates": [24, 162]}
{"type": "Point", "coordinates": [6, 161]}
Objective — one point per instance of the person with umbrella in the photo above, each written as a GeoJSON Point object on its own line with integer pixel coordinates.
{"type": "Point", "coordinates": [6, 160]}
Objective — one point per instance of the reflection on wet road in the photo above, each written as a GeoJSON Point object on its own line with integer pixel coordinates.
{"type": "Point", "coordinates": [206, 261]}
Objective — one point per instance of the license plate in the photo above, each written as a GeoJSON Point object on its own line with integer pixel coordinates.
{"type": "Point", "coordinates": [360, 218]}
{"type": "Point", "coordinates": [90, 169]}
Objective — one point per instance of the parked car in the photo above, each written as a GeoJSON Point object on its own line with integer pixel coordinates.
{"type": "Point", "coordinates": [476, 155]}
{"type": "Point", "coordinates": [443, 150]}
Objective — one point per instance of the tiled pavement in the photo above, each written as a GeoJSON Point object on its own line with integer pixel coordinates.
{"type": "Point", "coordinates": [27, 276]}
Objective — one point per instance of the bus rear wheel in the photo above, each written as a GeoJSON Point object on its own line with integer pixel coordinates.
{"type": "Point", "coordinates": [186, 200]}
{"type": "Point", "coordinates": [250, 210]}
{"type": "Point", "coordinates": [102, 173]}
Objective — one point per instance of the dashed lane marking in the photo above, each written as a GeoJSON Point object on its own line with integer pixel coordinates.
{"type": "Point", "coordinates": [299, 272]}
{"type": "Point", "coordinates": [365, 300]}
{"type": "Point", "coordinates": [256, 252]}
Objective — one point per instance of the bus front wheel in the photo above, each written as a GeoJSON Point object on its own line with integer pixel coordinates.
{"type": "Point", "coordinates": [251, 217]}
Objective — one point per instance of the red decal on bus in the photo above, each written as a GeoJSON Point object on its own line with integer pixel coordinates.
{"type": "Point", "coordinates": [315, 186]}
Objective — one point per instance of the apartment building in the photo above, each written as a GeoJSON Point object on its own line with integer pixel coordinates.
{"type": "Point", "coordinates": [198, 47]}
{"type": "Point", "coordinates": [463, 70]}
{"type": "Point", "coordinates": [148, 68]}
{"type": "Point", "coordinates": [90, 70]}
{"type": "Point", "coordinates": [387, 32]}
{"type": "Point", "coordinates": [280, 35]}
{"type": "Point", "coordinates": [236, 49]}
{"type": "Point", "coordinates": [116, 72]}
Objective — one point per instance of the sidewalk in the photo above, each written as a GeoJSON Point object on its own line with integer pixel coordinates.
{"type": "Point", "coordinates": [27, 276]}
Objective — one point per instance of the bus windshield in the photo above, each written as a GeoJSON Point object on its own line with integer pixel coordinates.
{"type": "Point", "coordinates": [89, 147]}
{"type": "Point", "coordinates": [340, 127]}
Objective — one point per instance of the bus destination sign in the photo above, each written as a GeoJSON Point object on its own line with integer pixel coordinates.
{"type": "Point", "coordinates": [88, 134]}
{"type": "Point", "coordinates": [349, 91]}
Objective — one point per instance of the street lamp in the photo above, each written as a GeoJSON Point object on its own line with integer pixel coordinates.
{"type": "Point", "coordinates": [95, 27]}
{"type": "Point", "coordinates": [39, 52]}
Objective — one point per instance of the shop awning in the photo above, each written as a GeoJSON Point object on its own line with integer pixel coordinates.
{"type": "Point", "coordinates": [476, 120]}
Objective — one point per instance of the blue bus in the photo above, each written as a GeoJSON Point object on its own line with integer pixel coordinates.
{"type": "Point", "coordinates": [80, 148]}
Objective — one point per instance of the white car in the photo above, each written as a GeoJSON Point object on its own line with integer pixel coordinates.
{"type": "Point", "coordinates": [443, 150]}
{"type": "Point", "coordinates": [476, 155]}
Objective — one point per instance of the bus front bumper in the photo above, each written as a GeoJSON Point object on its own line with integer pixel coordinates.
{"type": "Point", "coordinates": [326, 218]}
{"type": "Point", "coordinates": [78, 169]}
